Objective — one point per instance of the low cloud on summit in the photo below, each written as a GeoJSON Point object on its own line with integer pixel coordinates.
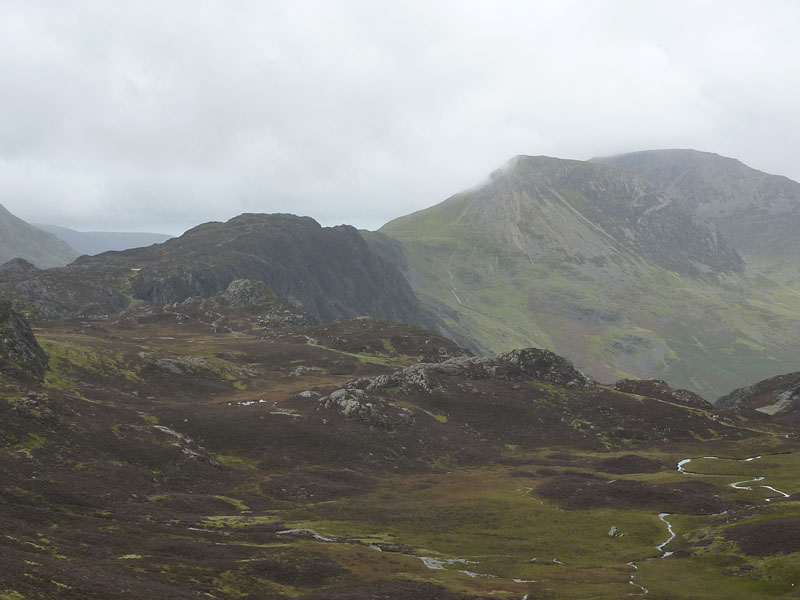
{"type": "Point", "coordinates": [161, 115]}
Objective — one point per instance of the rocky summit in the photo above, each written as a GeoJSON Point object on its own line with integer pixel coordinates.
{"type": "Point", "coordinates": [325, 272]}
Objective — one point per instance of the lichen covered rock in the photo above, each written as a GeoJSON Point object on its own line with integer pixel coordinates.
{"type": "Point", "coordinates": [20, 354]}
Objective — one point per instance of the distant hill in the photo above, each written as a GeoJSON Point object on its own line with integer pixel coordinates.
{"type": "Point", "coordinates": [95, 242]}
{"type": "Point", "coordinates": [601, 265]}
{"type": "Point", "coordinates": [19, 239]}
{"type": "Point", "coordinates": [758, 213]}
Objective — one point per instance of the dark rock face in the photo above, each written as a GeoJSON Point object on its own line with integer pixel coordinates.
{"type": "Point", "coordinates": [327, 272]}
{"type": "Point", "coordinates": [758, 213]}
{"type": "Point", "coordinates": [20, 354]}
{"type": "Point", "coordinates": [245, 305]}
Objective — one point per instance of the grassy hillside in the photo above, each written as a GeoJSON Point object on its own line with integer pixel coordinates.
{"type": "Point", "coordinates": [537, 256]}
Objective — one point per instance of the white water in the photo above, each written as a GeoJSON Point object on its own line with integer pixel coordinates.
{"type": "Point", "coordinates": [737, 485]}
{"type": "Point", "coordinates": [660, 547]}
{"type": "Point", "coordinates": [631, 581]}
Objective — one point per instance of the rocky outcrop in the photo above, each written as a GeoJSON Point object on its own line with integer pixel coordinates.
{"type": "Point", "coordinates": [527, 363]}
{"type": "Point", "coordinates": [16, 269]}
{"type": "Point", "coordinates": [354, 403]}
{"type": "Point", "coordinates": [82, 290]}
{"type": "Point", "coordinates": [21, 356]}
{"type": "Point", "coordinates": [361, 398]}
{"type": "Point", "coordinates": [245, 305]}
{"type": "Point", "coordinates": [774, 396]}
{"type": "Point", "coordinates": [246, 292]}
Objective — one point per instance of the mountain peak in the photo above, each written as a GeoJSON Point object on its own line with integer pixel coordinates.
{"type": "Point", "coordinates": [758, 213]}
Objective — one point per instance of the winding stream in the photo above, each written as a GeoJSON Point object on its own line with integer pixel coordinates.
{"type": "Point", "coordinates": [737, 485]}
{"type": "Point", "coordinates": [440, 563]}
{"type": "Point", "coordinates": [670, 531]}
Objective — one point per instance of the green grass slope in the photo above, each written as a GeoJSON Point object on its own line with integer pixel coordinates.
{"type": "Point", "coordinates": [597, 265]}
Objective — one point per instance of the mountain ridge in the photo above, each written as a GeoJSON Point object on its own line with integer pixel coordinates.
{"type": "Point", "coordinates": [757, 212]}
{"type": "Point", "coordinates": [600, 265]}
{"type": "Point", "coordinates": [328, 272]}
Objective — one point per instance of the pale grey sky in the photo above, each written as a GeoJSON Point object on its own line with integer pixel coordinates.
{"type": "Point", "coordinates": [159, 115]}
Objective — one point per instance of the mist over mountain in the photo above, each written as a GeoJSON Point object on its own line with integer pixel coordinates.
{"type": "Point", "coordinates": [19, 239]}
{"type": "Point", "coordinates": [95, 242]}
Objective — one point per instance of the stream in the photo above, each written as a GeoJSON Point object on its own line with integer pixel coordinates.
{"type": "Point", "coordinates": [737, 485]}
{"type": "Point", "coordinates": [443, 563]}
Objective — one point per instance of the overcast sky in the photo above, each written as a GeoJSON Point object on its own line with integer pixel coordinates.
{"type": "Point", "coordinates": [157, 116]}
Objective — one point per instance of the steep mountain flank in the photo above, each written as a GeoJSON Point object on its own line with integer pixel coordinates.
{"type": "Point", "coordinates": [18, 239]}
{"type": "Point", "coordinates": [95, 242]}
{"type": "Point", "coordinates": [597, 264]}
{"type": "Point", "coordinates": [758, 213]}
{"type": "Point", "coordinates": [328, 272]}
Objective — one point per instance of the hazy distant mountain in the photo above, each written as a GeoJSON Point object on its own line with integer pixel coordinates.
{"type": "Point", "coordinates": [758, 213]}
{"type": "Point", "coordinates": [19, 239]}
{"type": "Point", "coordinates": [95, 242]}
{"type": "Point", "coordinates": [600, 265]}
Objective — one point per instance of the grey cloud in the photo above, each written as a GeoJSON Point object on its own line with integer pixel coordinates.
{"type": "Point", "coordinates": [161, 115]}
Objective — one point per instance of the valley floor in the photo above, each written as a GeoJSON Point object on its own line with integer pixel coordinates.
{"type": "Point", "coordinates": [172, 463]}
